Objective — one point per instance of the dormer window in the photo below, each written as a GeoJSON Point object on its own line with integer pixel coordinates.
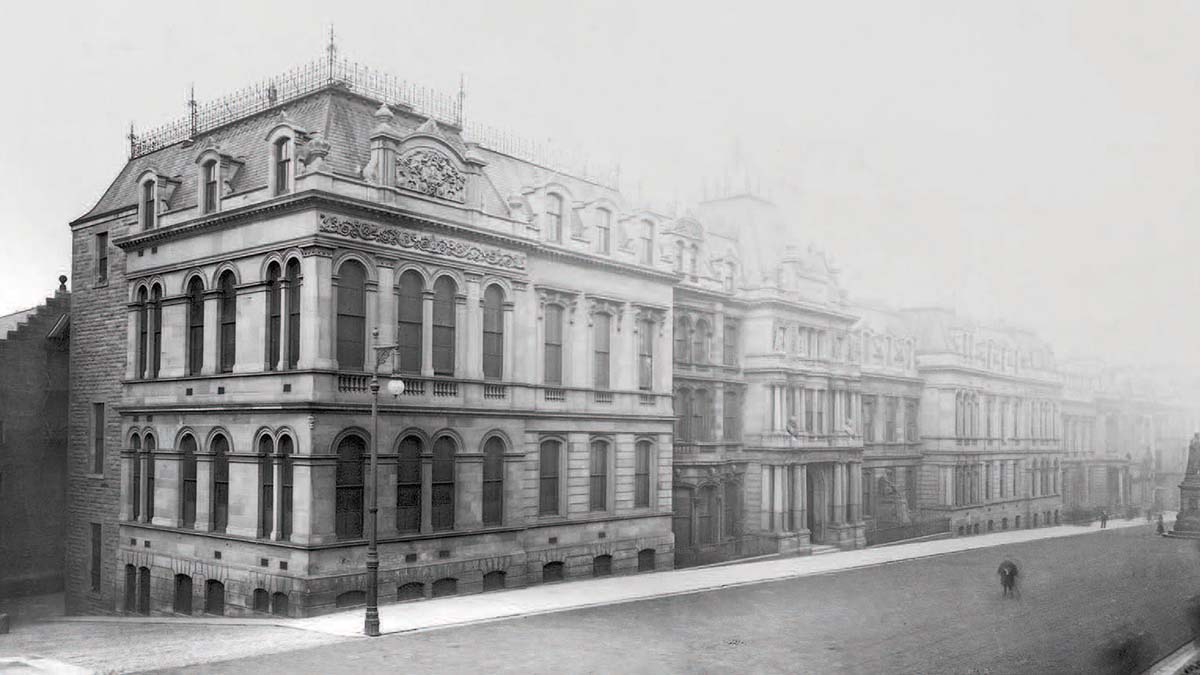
{"type": "Point", "coordinates": [554, 218]}
{"type": "Point", "coordinates": [283, 166]}
{"type": "Point", "coordinates": [646, 250]}
{"type": "Point", "coordinates": [209, 186]}
{"type": "Point", "coordinates": [149, 206]}
{"type": "Point", "coordinates": [603, 231]}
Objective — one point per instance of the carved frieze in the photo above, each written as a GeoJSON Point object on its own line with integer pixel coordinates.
{"type": "Point", "coordinates": [425, 243]}
{"type": "Point", "coordinates": [430, 172]}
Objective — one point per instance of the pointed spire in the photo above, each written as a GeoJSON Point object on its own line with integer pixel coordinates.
{"type": "Point", "coordinates": [462, 96]}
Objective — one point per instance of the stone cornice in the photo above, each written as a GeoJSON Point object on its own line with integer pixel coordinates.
{"type": "Point", "coordinates": [424, 243]}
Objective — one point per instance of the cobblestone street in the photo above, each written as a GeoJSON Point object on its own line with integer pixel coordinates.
{"type": "Point", "coordinates": [933, 615]}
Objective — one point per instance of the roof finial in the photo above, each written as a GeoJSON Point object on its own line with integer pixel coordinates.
{"type": "Point", "coordinates": [332, 50]}
{"type": "Point", "coordinates": [132, 139]}
{"type": "Point", "coordinates": [62, 283]}
{"type": "Point", "coordinates": [462, 95]}
{"type": "Point", "coordinates": [192, 109]}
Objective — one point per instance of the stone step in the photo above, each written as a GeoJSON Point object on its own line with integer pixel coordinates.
{"type": "Point", "coordinates": [822, 549]}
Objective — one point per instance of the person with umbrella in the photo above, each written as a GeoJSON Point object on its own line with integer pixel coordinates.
{"type": "Point", "coordinates": [1008, 578]}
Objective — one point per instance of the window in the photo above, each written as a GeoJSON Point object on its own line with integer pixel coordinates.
{"type": "Point", "coordinates": [548, 477]}
{"type": "Point", "coordinates": [150, 447]}
{"type": "Point", "coordinates": [602, 566]}
{"type": "Point", "coordinates": [261, 600]}
{"type": "Point", "coordinates": [683, 330]}
{"type": "Point", "coordinates": [553, 344]}
{"type": "Point", "coordinates": [97, 551]}
{"type": "Point", "coordinates": [408, 486]}
{"type": "Point", "coordinates": [646, 251]}
{"type": "Point", "coordinates": [349, 491]}
{"type": "Point", "coordinates": [274, 316]}
{"type": "Point", "coordinates": [700, 341]}
{"type": "Point", "coordinates": [444, 292]}
{"type": "Point", "coordinates": [679, 254]}
{"type": "Point", "coordinates": [699, 425]}
{"type": "Point", "coordinates": [554, 218]}
{"type": "Point", "coordinates": [810, 409]}
{"type": "Point", "coordinates": [149, 207]}
{"type": "Point", "coordinates": [285, 501]}
{"type": "Point", "coordinates": [266, 485]}
{"type": "Point", "coordinates": [493, 332]}
{"type": "Point", "coordinates": [292, 276]}
{"type": "Point", "coordinates": [214, 597]}
{"type": "Point", "coordinates": [283, 166]}
{"type": "Point", "coordinates": [220, 493]}
{"type": "Point", "coordinates": [681, 518]}
{"type": "Point", "coordinates": [98, 438]}
{"type": "Point", "coordinates": [730, 277]}
{"type": "Point", "coordinates": [601, 335]}
{"type": "Point", "coordinates": [603, 231]}
{"type": "Point", "coordinates": [228, 312]}
{"type": "Point", "coordinates": [143, 327]}
{"type": "Point", "coordinates": [410, 316]}
{"type": "Point", "coordinates": [102, 258]}
{"type": "Point", "coordinates": [493, 482]}
{"type": "Point", "coordinates": [706, 515]}
{"type": "Point", "coordinates": [443, 483]}
{"type": "Point", "coordinates": [910, 421]}
{"type": "Point", "coordinates": [889, 430]}
{"type": "Point", "coordinates": [733, 510]}
{"type": "Point", "coordinates": [351, 316]}
{"type": "Point", "coordinates": [183, 594]}
{"type": "Point", "coordinates": [552, 571]}
{"type": "Point", "coordinates": [732, 414]}
{"type": "Point", "coordinates": [210, 186]}
{"type": "Point", "coordinates": [731, 343]}
{"type": "Point", "coordinates": [683, 414]}
{"type": "Point", "coordinates": [135, 495]}
{"type": "Point", "coordinates": [868, 412]}
{"type": "Point", "coordinates": [645, 355]}
{"type": "Point", "coordinates": [195, 319]}
{"type": "Point", "coordinates": [156, 331]}
{"type": "Point", "coordinates": [598, 477]}
{"type": "Point", "coordinates": [493, 581]}
{"type": "Point", "coordinates": [641, 474]}
{"type": "Point", "coordinates": [187, 447]}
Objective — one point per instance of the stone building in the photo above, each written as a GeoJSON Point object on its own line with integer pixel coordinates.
{"type": "Point", "coordinates": [990, 416]}
{"type": "Point", "coordinates": [237, 275]}
{"type": "Point", "coordinates": [33, 445]}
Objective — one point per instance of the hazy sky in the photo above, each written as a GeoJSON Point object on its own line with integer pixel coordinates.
{"type": "Point", "coordinates": [1029, 160]}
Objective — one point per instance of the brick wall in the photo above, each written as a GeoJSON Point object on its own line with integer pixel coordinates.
{"type": "Point", "coordinates": [97, 365]}
{"type": "Point", "coordinates": [33, 450]}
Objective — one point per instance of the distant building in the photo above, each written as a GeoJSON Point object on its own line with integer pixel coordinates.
{"type": "Point", "coordinates": [33, 445]}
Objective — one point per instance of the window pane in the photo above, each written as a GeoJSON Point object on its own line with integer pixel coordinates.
{"type": "Point", "coordinates": [443, 484]}
{"type": "Point", "coordinates": [598, 475]}
{"type": "Point", "coordinates": [493, 482]}
{"type": "Point", "coordinates": [408, 486]}
{"type": "Point", "coordinates": [351, 316]}
{"type": "Point", "coordinates": [349, 490]}
{"type": "Point", "coordinates": [293, 301]}
{"type": "Point", "coordinates": [641, 476]}
{"type": "Point", "coordinates": [228, 313]}
{"type": "Point", "coordinates": [410, 316]}
{"type": "Point", "coordinates": [493, 332]}
{"type": "Point", "coordinates": [553, 344]}
{"type": "Point", "coordinates": [274, 316]}
{"type": "Point", "coordinates": [444, 292]}
{"type": "Point", "coordinates": [602, 335]}
{"type": "Point", "coordinates": [548, 478]}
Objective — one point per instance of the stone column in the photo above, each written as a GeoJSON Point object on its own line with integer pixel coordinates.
{"type": "Point", "coordinates": [285, 291]}
{"type": "Point", "coordinates": [144, 496]}
{"type": "Point", "coordinates": [386, 490]}
{"type": "Point", "coordinates": [277, 468]}
{"type": "Point", "coordinates": [149, 344]}
{"type": "Point", "coordinates": [212, 332]}
{"type": "Point", "coordinates": [427, 491]}
{"type": "Point", "coordinates": [855, 492]}
{"type": "Point", "coordinates": [370, 323]}
{"type": "Point", "coordinates": [800, 496]}
{"type": "Point", "coordinates": [128, 457]}
{"type": "Point", "coordinates": [508, 369]}
{"type": "Point", "coordinates": [1120, 488]}
{"type": "Point", "coordinates": [780, 497]}
{"type": "Point", "coordinates": [131, 342]}
{"type": "Point", "coordinates": [314, 490]}
{"type": "Point", "coordinates": [765, 499]}
{"type": "Point", "coordinates": [461, 335]}
{"type": "Point", "coordinates": [316, 308]}
{"type": "Point", "coordinates": [839, 493]}
{"type": "Point", "coordinates": [800, 408]}
{"type": "Point", "coordinates": [174, 337]}
{"type": "Point", "coordinates": [468, 489]}
{"type": "Point", "coordinates": [426, 338]}
{"type": "Point", "coordinates": [473, 337]}
{"type": "Point", "coordinates": [168, 486]}
{"type": "Point", "coordinates": [385, 314]}
{"type": "Point", "coordinates": [244, 489]}
{"type": "Point", "coordinates": [204, 476]}
{"type": "Point", "coordinates": [514, 476]}
{"type": "Point", "coordinates": [251, 352]}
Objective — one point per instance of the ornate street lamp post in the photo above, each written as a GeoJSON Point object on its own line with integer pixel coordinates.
{"type": "Point", "coordinates": [396, 387]}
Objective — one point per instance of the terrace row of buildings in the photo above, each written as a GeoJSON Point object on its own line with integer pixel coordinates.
{"type": "Point", "coordinates": [590, 387]}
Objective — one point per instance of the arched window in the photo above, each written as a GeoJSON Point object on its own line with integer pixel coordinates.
{"type": "Point", "coordinates": [444, 292]}
{"type": "Point", "coordinates": [195, 319]}
{"type": "Point", "coordinates": [183, 594]}
{"type": "Point", "coordinates": [283, 166]}
{"type": "Point", "coordinates": [603, 231]}
{"type": "Point", "coordinates": [130, 589]}
{"type": "Point", "coordinates": [683, 415]}
{"type": "Point", "coordinates": [443, 483]}
{"type": "Point", "coordinates": [279, 604]}
{"type": "Point", "coordinates": [493, 332]}
{"type": "Point", "coordinates": [445, 587]}
{"type": "Point", "coordinates": [699, 427]}
{"type": "Point", "coordinates": [601, 346]}
{"type": "Point", "coordinates": [493, 581]}
{"type": "Point", "coordinates": [409, 317]}
{"type": "Point", "coordinates": [187, 448]}
{"type": "Point", "coordinates": [413, 590]}
{"type": "Point", "coordinates": [292, 276]}
{"type": "Point", "coordinates": [143, 327]}
{"type": "Point", "coordinates": [274, 316]}
{"type": "Point", "coordinates": [493, 481]}
{"type": "Point", "coordinates": [286, 451]}
{"type": "Point", "coordinates": [156, 331]}
{"type": "Point", "coordinates": [208, 199]}
{"type": "Point", "coordinates": [683, 330]}
{"type": "Point", "coordinates": [641, 474]}
{"type": "Point", "coordinates": [552, 347]}
{"type": "Point", "coordinates": [602, 566]}
{"type": "Point", "coordinates": [143, 591]}
{"type": "Point", "coordinates": [548, 460]}
{"type": "Point", "coordinates": [262, 600]}
{"type": "Point", "coordinates": [266, 487]}
{"type": "Point", "coordinates": [149, 203]}
{"type": "Point", "coordinates": [228, 312]}
{"type": "Point", "coordinates": [136, 496]}
{"type": "Point", "coordinates": [646, 250]}
{"type": "Point", "coordinates": [645, 355]}
{"type": "Point", "coordinates": [554, 218]}
{"type": "Point", "coordinates": [349, 490]}
{"type": "Point", "coordinates": [150, 446]}
{"type": "Point", "coordinates": [351, 316]}
{"type": "Point", "coordinates": [408, 485]}
{"type": "Point", "coordinates": [552, 571]}
{"type": "Point", "coordinates": [701, 337]}
{"type": "Point", "coordinates": [598, 476]}
{"type": "Point", "coordinates": [220, 492]}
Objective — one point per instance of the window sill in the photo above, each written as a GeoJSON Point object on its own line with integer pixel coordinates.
{"type": "Point", "coordinates": [101, 284]}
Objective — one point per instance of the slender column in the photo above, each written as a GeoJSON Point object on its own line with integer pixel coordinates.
{"type": "Point", "coordinates": [800, 407]}
{"type": "Point", "coordinates": [778, 505]}
{"type": "Point", "coordinates": [371, 299]}
{"type": "Point", "coordinates": [839, 492]}
{"type": "Point", "coordinates": [1120, 488]}
{"type": "Point", "coordinates": [148, 346]}
{"type": "Point", "coordinates": [204, 466]}
{"type": "Point", "coordinates": [426, 336]}
{"type": "Point", "coordinates": [385, 309]}
{"type": "Point", "coordinates": [285, 291]}
{"type": "Point", "coordinates": [316, 309]}
{"type": "Point", "coordinates": [127, 459]}
{"type": "Point", "coordinates": [855, 492]}
{"type": "Point", "coordinates": [473, 338]}
{"type": "Point", "coordinates": [277, 497]}
{"type": "Point", "coordinates": [800, 496]}
{"type": "Point", "coordinates": [462, 331]}
{"type": "Point", "coordinates": [427, 491]}
{"type": "Point", "coordinates": [508, 368]}
{"type": "Point", "coordinates": [765, 499]}
{"type": "Point", "coordinates": [250, 354]}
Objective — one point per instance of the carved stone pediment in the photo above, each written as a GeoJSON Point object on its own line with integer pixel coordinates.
{"type": "Point", "coordinates": [568, 300]}
{"type": "Point", "coordinates": [430, 172]}
{"type": "Point", "coordinates": [612, 308]}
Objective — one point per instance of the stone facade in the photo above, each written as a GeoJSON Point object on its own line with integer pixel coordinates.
{"type": "Point", "coordinates": [34, 356]}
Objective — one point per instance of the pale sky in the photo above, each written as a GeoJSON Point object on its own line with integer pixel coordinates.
{"type": "Point", "coordinates": [1033, 161]}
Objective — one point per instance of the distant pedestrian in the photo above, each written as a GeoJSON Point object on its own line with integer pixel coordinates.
{"type": "Point", "coordinates": [1008, 579]}
{"type": "Point", "coordinates": [1159, 528]}
{"type": "Point", "coordinates": [1103, 519]}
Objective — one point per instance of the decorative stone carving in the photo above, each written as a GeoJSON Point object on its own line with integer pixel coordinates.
{"type": "Point", "coordinates": [603, 306]}
{"type": "Point", "coordinates": [430, 172]}
{"type": "Point", "coordinates": [426, 243]}
{"type": "Point", "coordinates": [568, 300]}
